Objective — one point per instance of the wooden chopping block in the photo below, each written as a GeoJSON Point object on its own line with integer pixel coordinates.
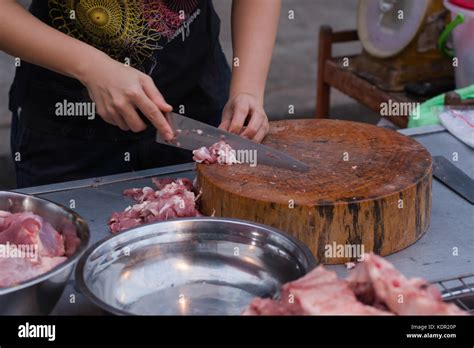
{"type": "Point", "coordinates": [368, 188]}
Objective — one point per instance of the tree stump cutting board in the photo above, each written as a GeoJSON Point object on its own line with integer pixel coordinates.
{"type": "Point", "coordinates": [369, 188]}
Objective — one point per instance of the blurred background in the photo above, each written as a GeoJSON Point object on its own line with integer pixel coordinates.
{"type": "Point", "coordinates": [292, 79]}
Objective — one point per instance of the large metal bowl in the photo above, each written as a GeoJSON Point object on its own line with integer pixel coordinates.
{"type": "Point", "coordinates": [195, 266]}
{"type": "Point", "coordinates": [39, 295]}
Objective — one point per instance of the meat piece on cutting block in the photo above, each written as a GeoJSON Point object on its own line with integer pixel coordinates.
{"type": "Point", "coordinates": [203, 155]}
{"type": "Point", "coordinates": [367, 186]}
{"type": "Point", "coordinates": [220, 152]}
{"type": "Point", "coordinates": [377, 282]}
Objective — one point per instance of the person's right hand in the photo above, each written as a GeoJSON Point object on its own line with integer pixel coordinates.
{"type": "Point", "coordinates": [119, 91]}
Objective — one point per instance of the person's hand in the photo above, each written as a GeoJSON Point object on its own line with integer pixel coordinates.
{"type": "Point", "coordinates": [119, 91]}
{"type": "Point", "coordinates": [245, 109]}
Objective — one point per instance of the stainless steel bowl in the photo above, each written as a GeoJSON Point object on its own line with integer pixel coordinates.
{"type": "Point", "coordinates": [39, 295]}
{"type": "Point", "coordinates": [195, 266]}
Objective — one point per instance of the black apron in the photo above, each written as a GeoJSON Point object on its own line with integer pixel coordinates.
{"type": "Point", "coordinates": [175, 42]}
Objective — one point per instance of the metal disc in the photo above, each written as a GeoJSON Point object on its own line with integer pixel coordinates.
{"type": "Point", "coordinates": [387, 27]}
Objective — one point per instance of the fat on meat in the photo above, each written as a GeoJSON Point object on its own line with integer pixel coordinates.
{"type": "Point", "coordinates": [28, 229]}
{"type": "Point", "coordinates": [52, 243]}
{"type": "Point", "coordinates": [17, 270]}
{"type": "Point", "coordinates": [320, 292]}
{"type": "Point", "coordinates": [3, 215]}
{"type": "Point", "coordinates": [373, 288]}
{"type": "Point", "coordinates": [220, 152]}
{"type": "Point", "coordinates": [71, 240]}
{"type": "Point", "coordinates": [265, 306]}
{"type": "Point", "coordinates": [378, 282]}
{"type": "Point", "coordinates": [173, 198]}
{"type": "Point", "coordinates": [22, 228]}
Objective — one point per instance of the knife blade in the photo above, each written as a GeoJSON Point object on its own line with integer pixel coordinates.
{"type": "Point", "coordinates": [191, 135]}
{"type": "Point", "coordinates": [453, 177]}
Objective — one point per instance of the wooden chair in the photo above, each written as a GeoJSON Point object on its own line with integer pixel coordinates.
{"type": "Point", "coordinates": [333, 74]}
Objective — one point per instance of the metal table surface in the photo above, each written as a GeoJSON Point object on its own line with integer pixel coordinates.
{"type": "Point", "coordinates": [433, 257]}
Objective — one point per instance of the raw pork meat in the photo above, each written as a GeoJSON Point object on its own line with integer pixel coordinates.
{"type": "Point", "coordinates": [16, 270]}
{"type": "Point", "coordinates": [377, 282]}
{"type": "Point", "coordinates": [220, 152]}
{"type": "Point", "coordinates": [172, 199]}
{"type": "Point", "coordinates": [320, 292]}
{"type": "Point", "coordinates": [47, 247]}
{"type": "Point", "coordinates": [375, 287]}
{"type": "Point", "coordinates": [30, 229]}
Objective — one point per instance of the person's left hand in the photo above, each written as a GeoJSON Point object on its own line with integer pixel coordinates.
{"type": "Point", "coordinates": [245, 109]}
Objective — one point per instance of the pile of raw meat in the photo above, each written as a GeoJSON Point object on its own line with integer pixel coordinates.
{"type": "Point", "coordinates": [171, 199]}
{"type": "Point", "coordinates": [374, 287]}
{"type": "Point", "coordinates": [30, 247]}
{"type": "Point", "coordinates": [220, 152]}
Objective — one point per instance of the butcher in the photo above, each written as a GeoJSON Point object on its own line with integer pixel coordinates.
{"type": "Point", "coordinates": [133, 61]}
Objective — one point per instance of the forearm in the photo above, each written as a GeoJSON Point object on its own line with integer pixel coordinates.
{"type": "Point", "coordinates": [254, 29]}
{"type": "Point", "coordinates": [23, 35]}
{"type": "Point", "coordinates": [117, 90]}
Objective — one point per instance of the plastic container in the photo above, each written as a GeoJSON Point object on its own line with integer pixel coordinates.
{"type": "Point", "coordinates": [462, 30]}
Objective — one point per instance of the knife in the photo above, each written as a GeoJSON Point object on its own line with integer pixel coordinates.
{"type": "Point", "coordinates": [191, 135]}
{"type": "Point", "coordinates": [454, 178]}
